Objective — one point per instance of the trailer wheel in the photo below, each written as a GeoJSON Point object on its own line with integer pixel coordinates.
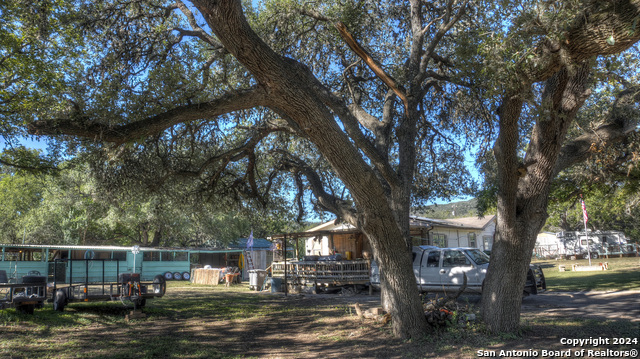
{"type": "Point", "coordinates": [59, 300]}
{"type": "Point", "coordinates": [159, 285]}
{"type": "Point", "coordinates": [168, 276]}
{"type": "Point", "coordinates": [177, 276]}
{"type": "Point", "coordinates": [186, 275]}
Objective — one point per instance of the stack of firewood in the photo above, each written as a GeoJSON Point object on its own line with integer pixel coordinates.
{"type": "Point", "coordinates": [439, 317]}
{"type": "Point", "coordinates": [439, 312]}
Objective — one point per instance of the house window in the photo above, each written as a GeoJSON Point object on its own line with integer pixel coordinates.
{"type": "Point", "coordinates": [488, 243]}
{"type": "Point", "coordinates": [472, 240]}
{"type": "Point", "coordinates": [439, 240]}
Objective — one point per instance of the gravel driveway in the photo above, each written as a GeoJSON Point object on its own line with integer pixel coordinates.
{"type": "Point", "coordinates": [592, 304]}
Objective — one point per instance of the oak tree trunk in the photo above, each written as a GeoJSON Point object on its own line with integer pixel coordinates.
{"type": "Point", "coordinates": [294, 93]}
{"type": "Point", "coordinates": [524, 190]}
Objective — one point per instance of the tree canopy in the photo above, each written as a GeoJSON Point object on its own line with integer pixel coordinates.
{"type": "Point", "coordinates": [69, 207]}
{"type": "Point", "coordinates": [361, 109]}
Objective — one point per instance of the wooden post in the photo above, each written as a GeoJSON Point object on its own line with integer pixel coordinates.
{"type": "Point", "coordinates": [284, 244]}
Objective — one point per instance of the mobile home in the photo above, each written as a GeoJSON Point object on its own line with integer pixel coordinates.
{"type": "Point", "coordinates": [18, 260]}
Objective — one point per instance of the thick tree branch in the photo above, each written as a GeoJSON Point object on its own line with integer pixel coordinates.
{"type": "Point", "coordinates": [197, 30]}
{"type": "Point", "coordinates": [373, 64]}
{"type": "Point", "coordinates": [442, 30]}
{"type": "Point", "coordinates": [603, 28]}
{"type": "Point", "coordinates": [37, 168]}
{"type": "Point", "coordinates": [350, 123]}
{"type": "Point", "coordinates": [563, 96]}
{"type": "Point", "coordinates": [342, 209]}
{"type": "Point", "coordinates": [240, 100]}
{"type": "Point", "coordinates": [623, 119]}
{"type": "Point", "coordinates": [370, 122]}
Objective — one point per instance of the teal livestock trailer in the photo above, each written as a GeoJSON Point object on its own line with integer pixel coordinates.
{"type": "Point", "coordinates": [98, 263]}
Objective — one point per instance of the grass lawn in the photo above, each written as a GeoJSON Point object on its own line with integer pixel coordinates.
{"type": "Point", "coordinates": [216, 322]}
{"type": "Point", "coordinates": [623, 274]}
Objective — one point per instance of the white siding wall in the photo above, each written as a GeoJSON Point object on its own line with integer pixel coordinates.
{"type": "Point", "coordinates": [488, 231]}
{"type": "Point", "coordinates": [456, 237]}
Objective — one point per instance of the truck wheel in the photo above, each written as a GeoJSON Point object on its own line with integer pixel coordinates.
{"type": "Point", "coordinates": [59, 300]}
{"type": "Point", "coordinates": [159, 285]}
{"type": "Point", "coordinates": [177, 276]}
{"type": "Point", "coordinates": [186, 275]}
{"type": "Point", "coordinates": [168, 276]}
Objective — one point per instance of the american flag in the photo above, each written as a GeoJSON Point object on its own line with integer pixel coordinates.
{"type": "Point", "coordinates": [584, 212]}
{"type": "Point", "coordinates": [250, 240]}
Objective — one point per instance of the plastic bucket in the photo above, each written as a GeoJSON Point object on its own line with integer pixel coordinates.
{"type": "Point", "coordinates": [276, 285]}
{"type": "Point", "coordinates": [229, 278]}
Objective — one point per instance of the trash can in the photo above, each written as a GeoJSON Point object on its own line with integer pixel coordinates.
{"type": "Point", "coordinates": [256, 278]}
{"type": "Point", "coordinates": [276, 285]}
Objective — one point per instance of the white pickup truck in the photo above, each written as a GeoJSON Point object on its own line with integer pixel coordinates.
{"type": "Point", "coordinates": [441, 269]}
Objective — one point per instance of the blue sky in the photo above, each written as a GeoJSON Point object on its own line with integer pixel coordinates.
{"type": "Point", "coordinates": [40, 144]}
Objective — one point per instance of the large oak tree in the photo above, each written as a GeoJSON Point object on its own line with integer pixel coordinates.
{"type": "Point", "coordinates": [230, 97]}
{"type": "Point", "coordinates": [549, 84]}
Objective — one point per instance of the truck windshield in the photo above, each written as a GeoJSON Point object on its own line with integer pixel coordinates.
{"type": "Point", "coordinates": [478, 256]}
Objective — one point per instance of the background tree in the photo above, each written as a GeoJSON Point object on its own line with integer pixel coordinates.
{"type": "Point", "coordinates": [608, 180]}
{"type": "Point", "coordinates": [18, 195]}
{"type": "Point", "coordinates": [70, 208]}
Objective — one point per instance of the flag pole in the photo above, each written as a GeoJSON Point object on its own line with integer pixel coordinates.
{"type": "Point", "coordinates": [585, 219]}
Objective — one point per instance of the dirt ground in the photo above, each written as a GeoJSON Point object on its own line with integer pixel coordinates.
{"type": "Point", "coordinates": [340, 334]}
{"type": "Point", "coordinates": [308, 326]}
{"type": "Point", "coordinates": [371, 340]}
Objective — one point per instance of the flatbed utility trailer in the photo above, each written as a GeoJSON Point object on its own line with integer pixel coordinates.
{"type": "Point", "coordinates": [25, 296]}
{"type": "Point", "coordinates": [95, 286]}
{"type": "Point", "coordinates": [323, 273]}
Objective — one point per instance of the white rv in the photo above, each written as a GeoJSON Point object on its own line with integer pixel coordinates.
{"type": "Point", "coordinates": [580, 244]}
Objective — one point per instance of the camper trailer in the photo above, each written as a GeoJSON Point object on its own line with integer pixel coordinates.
{"type": "Point", "coordinates": [580, 244]}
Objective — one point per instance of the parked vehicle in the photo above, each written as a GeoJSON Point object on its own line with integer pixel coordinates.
{"type": "Point", "coordinates": [580, 244]}
{"type": "Point", "coordinates": [86, 288]}
{"type": "Point", "coordinates": [443, 269]}
{"type": "Point", "coordinates": [25, 296]}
